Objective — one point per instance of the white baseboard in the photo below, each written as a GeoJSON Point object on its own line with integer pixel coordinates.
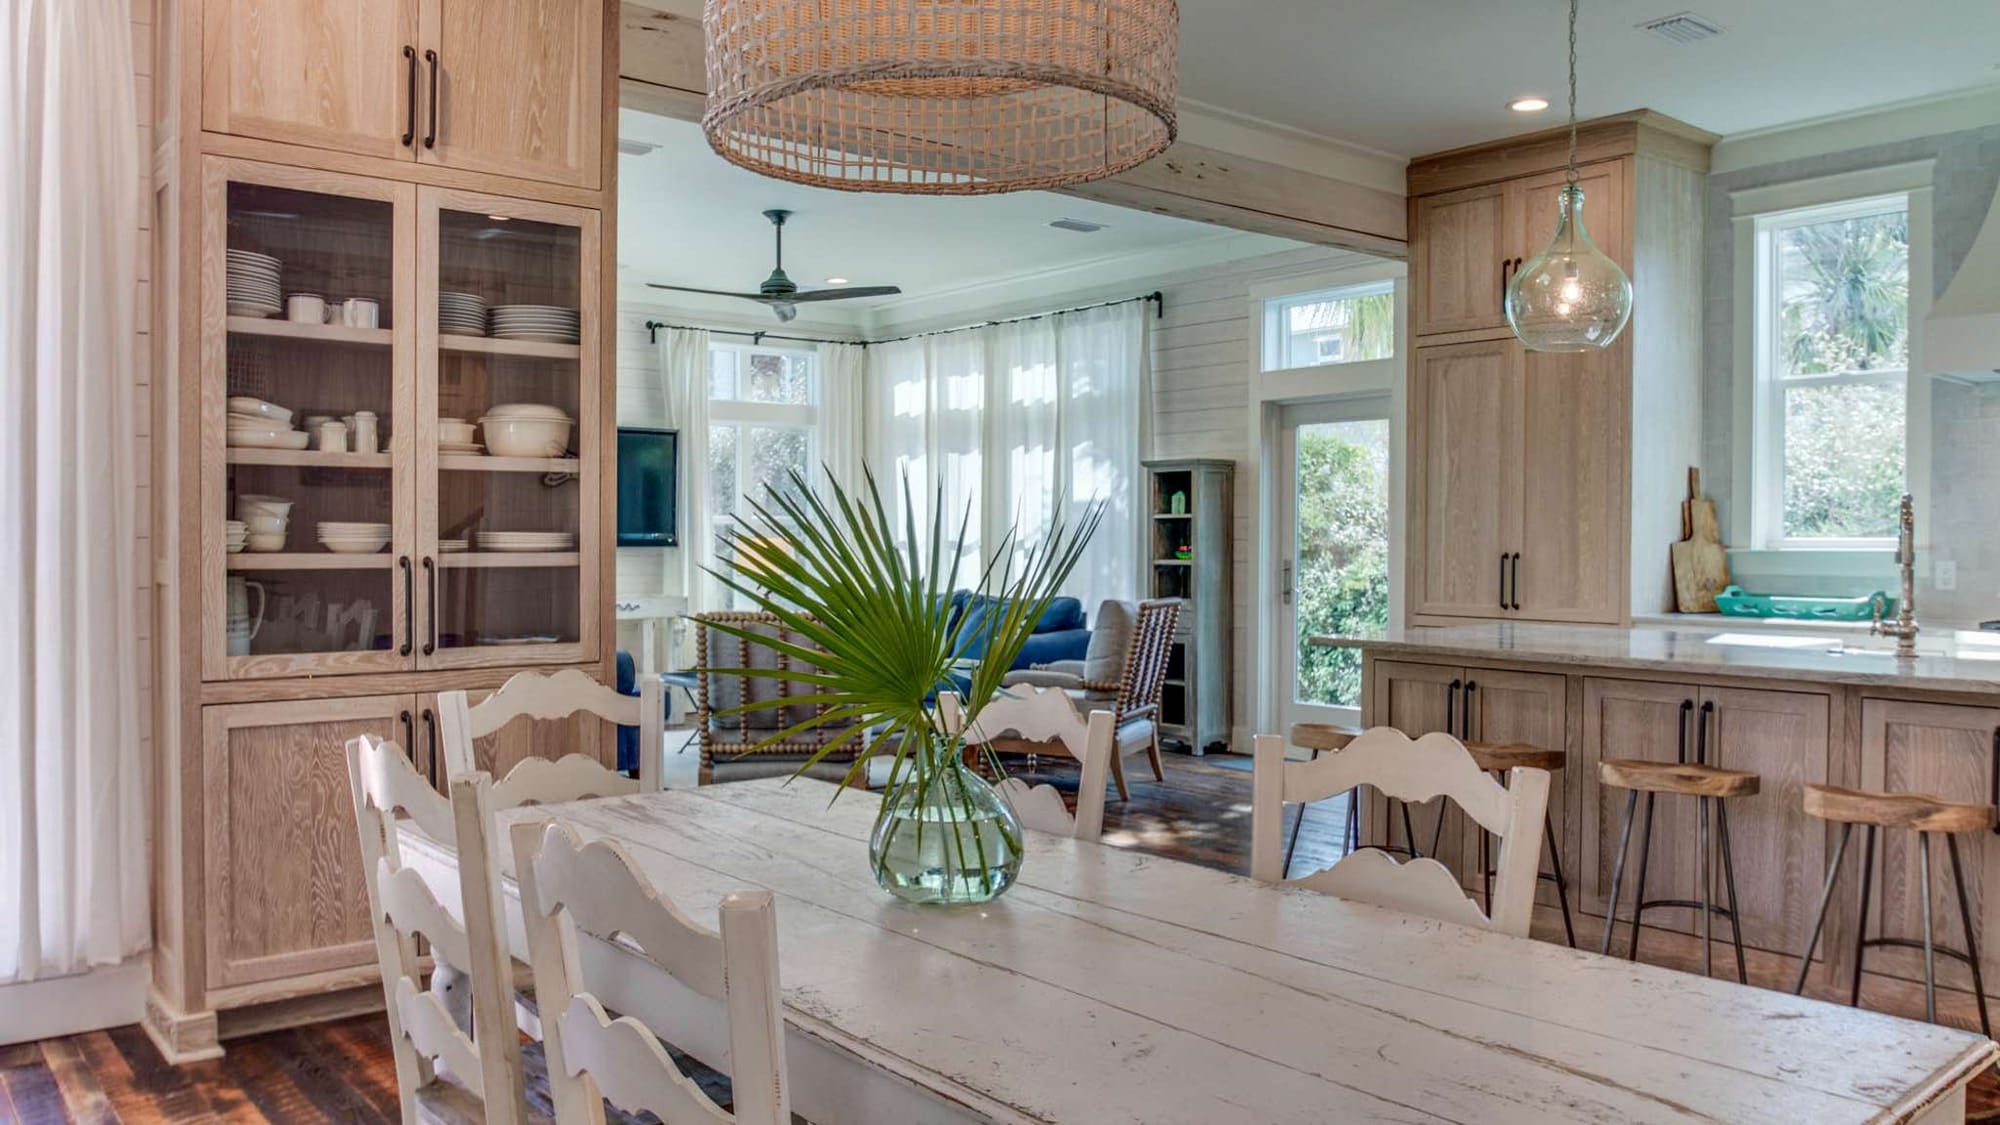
{"type": "Point", "coordinates": [109, 996]}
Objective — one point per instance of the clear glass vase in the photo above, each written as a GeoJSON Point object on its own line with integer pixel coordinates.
{"type": "Point", "coordinates": [944, 835]}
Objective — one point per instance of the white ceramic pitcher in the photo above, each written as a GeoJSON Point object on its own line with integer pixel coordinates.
{"type": "Point", "coordinates": [240, 624]}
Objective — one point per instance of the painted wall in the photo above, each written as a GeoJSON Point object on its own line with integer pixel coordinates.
{"type": "Point", "coordinates": [1965, 523]}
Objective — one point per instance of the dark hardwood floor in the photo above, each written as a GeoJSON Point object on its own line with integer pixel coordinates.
{"type": "Point", "coordinates": [343, 1071]}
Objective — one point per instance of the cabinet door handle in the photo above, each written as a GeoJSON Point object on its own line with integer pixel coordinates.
{"type": "Point", "coordinates": [409, 736]}
{"type": "Point", "coordinates": [431, 580]}
{"type": "Point", "coordinates": [410, 119]}
{"type": "Point", "coordinates": [1681, 742]}
{"type": "Point", "coordinates": [1506, 264]}
{"type": "Point", "coordinates": [1515, 582]}
{"type": "Point", "coordinates": [1701, 732]}
{"type": "Point", "coordinates": [1993, 772]}
{"type": "Point", "coordinates": [409, 606]}
{"type": "Point", "coordinates": [1451, 705]}
{"type": "Point", "coordinates": [1503, 580]}
{"type": "Point", "coordinates": [431, 129]}
{"type": "Point", "coordinates": [1465, 711]}
{"type": "Point", "coordinates": [431, 738]}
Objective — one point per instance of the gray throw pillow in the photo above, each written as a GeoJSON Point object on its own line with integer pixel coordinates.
{"type": "Point", "coordinates": [1110, 640]}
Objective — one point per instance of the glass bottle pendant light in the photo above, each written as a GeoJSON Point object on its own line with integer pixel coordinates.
{"type": "Point", "coordinates": [1573, 297]}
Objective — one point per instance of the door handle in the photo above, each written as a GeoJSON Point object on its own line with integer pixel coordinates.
{"type": "Point", "coordinates": [431, 580]}
{"type": "Point", "coordinates": [1503, 580]}
{"type": "Point", "coordinates": [1287, 571]}
{"type": "Point", "coordinates": [1451, 705]}
{"type": "Point", "coordinates": [409, 736]}
{"type": "Point", "coordinates": [1681, 741]}
{"type": "Point", "coordinates": [1465, 711]}
{"type": "Point", "coordinates": [1506, 264]}
{"type": "Point", "coordinates": [1701, 732]}
{"type": "Point", "coordinates": [1515, 602]}
{"type": "Point", "coordinates": [431, 129]}
{"type": "Point", "coordinates": [409, 606]}
{"type": "Point", "coordinates": [431, 738]}
{"type": "Point", "coordinates": [410, 118]}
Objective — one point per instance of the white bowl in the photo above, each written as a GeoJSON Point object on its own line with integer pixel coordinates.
{"type": "Point", "coordinates": [265, 523]}
{"type": "Point", "coordinates": [355, 546]}
{"type": "Point", "coordinates": [267, 541]}
{"type": "Point", "coordinates": [273, 439]}
{"type": "Point", "coordinates": [454, 432]}
{"type": "Point", "coordinates": [254, 504]}
{"type": "Point", "coordinates": [527, 410]}
{"type": "Point", "coordinates": [526, 437]}
{"type": "Point", "coordinates": [246, 406]}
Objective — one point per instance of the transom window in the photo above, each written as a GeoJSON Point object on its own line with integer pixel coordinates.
{"type": "Point", "coordinates": [1832, 348]}
{"type": "Point", "coordinates": [1349, 324]}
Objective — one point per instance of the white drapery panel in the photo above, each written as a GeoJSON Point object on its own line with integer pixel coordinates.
{"type": "Point", "coordinates": [684, 385]}
{"type": "Point", "coordinates": [72, 782]}
{"type": "Point", "coordinates": [843, 411]}
{"type": "Point", "coordinates": [1021, 423]}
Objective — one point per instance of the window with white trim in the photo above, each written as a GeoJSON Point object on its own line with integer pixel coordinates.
{"type": "Point", "coordinates": [763, 422]}
{"type": "Point", "coordinates": [1348, 324]}
{"type": "Point", "coordinates": [1831, 355]}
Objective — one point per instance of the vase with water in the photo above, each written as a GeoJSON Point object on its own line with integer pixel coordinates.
{"type": "Point", "coordinates": [944, 835]}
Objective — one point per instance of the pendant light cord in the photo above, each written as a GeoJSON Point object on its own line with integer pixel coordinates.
{"type": "Point", "coordinates": [1572, 93]}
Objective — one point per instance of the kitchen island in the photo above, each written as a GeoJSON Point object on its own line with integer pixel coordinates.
{"type": "Point", "coordinates": [1797, 706]}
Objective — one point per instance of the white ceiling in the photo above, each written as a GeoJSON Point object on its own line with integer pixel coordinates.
{"type": "Point", "coordinates": [1408, 77]}
{"type": "Point", "coordinates": [688, 217]}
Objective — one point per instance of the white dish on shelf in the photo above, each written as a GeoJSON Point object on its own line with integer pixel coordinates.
{"type": "Point", "coordinates": [454, 431]}
{"type": "Point", "coordinates": [452, 546]}
{"type": "Point", "coordinates": [255, 312]}
{"type": "Point", "coordinates": [262, 522]}
{"type": "Point", "coordinates": [264, 542]}
{"type": "Point", "coordinates": [537, 336]}
{"type": "Point", "coordinates": [526, 437]}
{"type": "Point", "coordinates": [358, 527]}
{"type": "Point", "coordinates": [248, 407]}
{"type": "Point", "coordinates": [255, 503]}
{"type": "Point", "coordinates": [461, 448]}
{"type": "Point", "coordinates": [528, 410]}
{"type": "Point", "coordinates": [354, 546]}
{"type": "Point", "coordinates": [290, 439]}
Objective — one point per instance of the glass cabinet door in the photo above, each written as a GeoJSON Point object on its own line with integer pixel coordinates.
{"type": "Point", "coordinates": [507, 422]}
{"type": "Point", "coordinates": [307, 388]}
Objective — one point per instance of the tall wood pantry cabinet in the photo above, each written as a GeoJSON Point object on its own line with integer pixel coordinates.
{"type": "Point", "coordinates": [417, 165]}
{"type": "Point", "coordinates": [1542, 484]}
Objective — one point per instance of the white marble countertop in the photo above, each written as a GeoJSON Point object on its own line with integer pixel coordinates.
{"type": "Point", "coordinates": [1947, 660]}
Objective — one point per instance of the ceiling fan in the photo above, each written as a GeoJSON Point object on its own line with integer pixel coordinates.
{"type": "Point", "coordinates": [781, 293]}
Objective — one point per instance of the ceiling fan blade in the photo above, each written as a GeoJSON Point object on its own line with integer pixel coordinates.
{"type": "Point", "coordinates": [710, 292]}
{"type": "Point", "coordinates": [845, 293]}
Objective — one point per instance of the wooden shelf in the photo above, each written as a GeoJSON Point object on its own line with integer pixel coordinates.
{"type": "Point", "coordinates": [1173, 515]}
{"type": "Point", "coordinates": [309, 560]}
{"type": "Point", "coordinates": [489, 345]}
{"type": "Point", "coordinates": [495, 559]}
{"type": "Point", "coordinates": [1173, 562]}
{"type": "Point", "coordinates": [320, 333]}
{"type": "Point", "coordinates": [483, 463]}
{"type": "Point", "coordinates": [308, 458]}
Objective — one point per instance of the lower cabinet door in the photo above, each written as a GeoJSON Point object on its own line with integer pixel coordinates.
{"type": "Point", "coordinates": [1948, 751]}
{"type": "Point", "coordinates": [282, 878]}
{"type": "Point", "coordinates": [1650, 721]}
{"type": "Point", "coordinates": [1779, 851]}
{"type": "Point", "coordinates": [1521, 709]}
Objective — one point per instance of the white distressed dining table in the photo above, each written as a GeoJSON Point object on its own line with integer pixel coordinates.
{"type": "Point", "coordinates": [1113, 986]}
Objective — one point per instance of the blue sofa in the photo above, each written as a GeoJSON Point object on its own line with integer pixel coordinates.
{"type": "Point", "coordinates": [1060, 633]}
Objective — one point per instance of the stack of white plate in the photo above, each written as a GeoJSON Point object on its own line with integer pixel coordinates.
{"type": "Point", "coordinates": [462, 314]}
{"type": "Point", "coordinates": [348, 538]}
{"type": "Point", "coordinates": [527, 541]}
{"type": "Point", "coordinates": [452, 546]}
{"type": "Point", "coordinates": [547, 323]}
{"type": "Point", "coordinates": [251, 284]}
{"type": "Point", "coordinates": [235, 535]}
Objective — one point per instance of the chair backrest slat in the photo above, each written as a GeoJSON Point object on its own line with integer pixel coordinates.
{"type": "Point", "coordinates": [1152, 648]}
{"type": "Point", "coordinates": [561, 695]}
{"type": "Point", "coordinates": [1045, 715]}
{"type": "Point", "coordinates": [569, 888]}
{"type": "Point", "coordinates": [1409, 770]}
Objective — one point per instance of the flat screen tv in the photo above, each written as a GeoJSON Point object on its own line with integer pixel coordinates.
{"type": "Point", "coordinates": [648, 477]}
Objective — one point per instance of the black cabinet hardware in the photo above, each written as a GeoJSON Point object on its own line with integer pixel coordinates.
{"type": "Point", "coordinates": [431, 738]}
{"type": "Point", "coordinates": [1515, 581]}
{"type": "Point", "coordinates": [1701, 732]}
{"type": "Point", "coordinates": [1681, 743]}
{"type": "Point", "coordinates": [431, 580]}
{"type": "Point", "coordinates": [431, 130]}
{"type": "Point", "coordinates": [409, 605]}
{"type": "Point", "coordinates": [409, 736]}
{"type": "Point", "coordinates": [410, 118]}
{"type": "Point", "coordinates": [1451, 705]}
{"type": "Point", "coordinates": [1503, 580]}
{"type": "Point", "coordinates": [1465, 710]}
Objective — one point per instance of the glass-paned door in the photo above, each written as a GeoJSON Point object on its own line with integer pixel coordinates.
{"type": "Point", "coordinates": [508, 407]}
{"type": "Point", "coordinates": [307, 392]}
{"type": "Point", "coordinates": [1334, 560]}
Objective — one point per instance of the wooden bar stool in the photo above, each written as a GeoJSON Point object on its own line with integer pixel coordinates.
{"type": "Point", "coordinates": [1925, 816]}
{"type": "Point", "coordinates": [1707, 785]}
{"type": "Point", "coordinates": [1497, 760]}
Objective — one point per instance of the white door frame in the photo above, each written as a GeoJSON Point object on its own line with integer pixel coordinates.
{"type": "Point", "coordinates": [1376, 406]}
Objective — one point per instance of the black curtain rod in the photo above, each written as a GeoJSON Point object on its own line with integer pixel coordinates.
{"type": "Point", "coordinates": [1158, 298]}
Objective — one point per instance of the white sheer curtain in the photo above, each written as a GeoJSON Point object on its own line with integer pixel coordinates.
{"type": "Point", "coordinates": [683, 373]}
{"type": "Point", "coordinates": [72, 781]}
{"type": "Point", "coordinates": [843, 411]}
{"type": "Point", "coordinates": [1011, 419]}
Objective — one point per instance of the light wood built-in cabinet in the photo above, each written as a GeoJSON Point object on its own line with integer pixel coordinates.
{"type": "Point", "coordinates": [507, 87]}
{"type": "Point", "coordinates": [1540, 483]}
{"type": "Point", "coordinates": [401, 154]}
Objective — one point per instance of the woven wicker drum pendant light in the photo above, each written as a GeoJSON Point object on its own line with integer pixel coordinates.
{"type": "Point", "coordinates": [940, 97]}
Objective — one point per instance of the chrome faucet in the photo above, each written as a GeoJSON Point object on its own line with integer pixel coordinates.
{"type": "Point", "coordinates": [1905, 628]}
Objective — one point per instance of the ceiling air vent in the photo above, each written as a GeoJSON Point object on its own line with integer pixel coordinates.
{"type": "Point", "coordinates": [1683, 27]}
{"type": "Point", "coordinates": [1080, 226]}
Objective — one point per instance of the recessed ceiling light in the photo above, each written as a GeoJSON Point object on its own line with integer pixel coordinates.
{"type": "Point", "coordinates": [836, 281]}
{"type": "Point", "coordinates": [1080, 226]}
{"type": "Point", "coordinates": [1533, 103]}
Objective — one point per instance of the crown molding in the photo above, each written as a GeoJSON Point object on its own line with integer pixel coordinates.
{"type": "Point", "coordinates": [1843, 132]}
{"type": "Point", "coordinates": [1243, 134]}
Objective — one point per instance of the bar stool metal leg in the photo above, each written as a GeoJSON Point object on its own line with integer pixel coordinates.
{"type": "Point", "coordinates": [1298, 823]}
{"type": "Point", "coordinates": [1353, 820]}
{"type": "Point", "coordinates": [1819, 916]}
{"type": "Point", "coordinates": [1639, 892]}
{"type": "Point", "coordinates": [1971, 944]}
{"type": "Point", "coordinates": [1618, 871]}
{"type": "Point", "coordinates": [1409, 833]}
{"type": "Point", "coordinates": [1930, 950]}
{"type": "Point", "coordinates": [1729, 885]}
{"type": "Point", "coordinates": [1562, 890]}
{"type": "Point", "coordinates": [1861, 923]}
{"type": "Point", "coordinates": [1703, 867]}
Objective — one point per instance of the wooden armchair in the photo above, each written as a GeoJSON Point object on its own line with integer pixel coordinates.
{"type": "Point", "coordinates": [729, 743]}
{"type": "Point", "coordinates": [1123, 672]}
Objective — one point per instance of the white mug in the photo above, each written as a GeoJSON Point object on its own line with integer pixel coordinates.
{"type": "Point", "coordinates": [305, 308]}
{"type": "Point", "coordinates": [360, 312]}
{"type": "Point", "coordinates": [333, 437]}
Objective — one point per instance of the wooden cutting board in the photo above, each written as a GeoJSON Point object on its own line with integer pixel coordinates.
{"type": "Point", "coordinates": [1701, 566]}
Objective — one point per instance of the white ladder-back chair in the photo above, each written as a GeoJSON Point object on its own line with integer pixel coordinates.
{"type": "Point", "coordinates": [1044, 716]}
{"type": "Point", "coordinates": [1432, 766]}
{"type": "Point", "coordinates": [572, 777]}
{"type": "Point", "coordinates": [570, 887]}
{"type": "Point", "coordinates": [484, 1067]}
